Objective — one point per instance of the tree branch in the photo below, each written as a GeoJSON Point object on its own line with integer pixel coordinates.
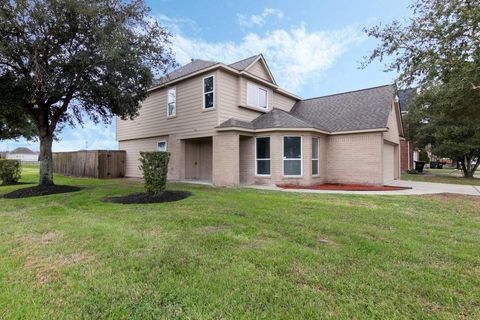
{"type": "Point", "coordinates": [60, 111]}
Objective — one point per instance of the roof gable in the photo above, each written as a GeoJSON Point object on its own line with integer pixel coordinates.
{"type": "Point", "coordinates": [260, 69]}
{"type": "Point", "coordinates": [256, 65]}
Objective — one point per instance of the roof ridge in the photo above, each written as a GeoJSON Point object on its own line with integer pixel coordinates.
{"type": "Point", "coordinates": [255, 55]}
{"type": "Point", "coordinates": [347, 92]}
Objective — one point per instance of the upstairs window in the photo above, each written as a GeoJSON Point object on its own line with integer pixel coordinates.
{"type": "Point", "coordinates": [208, 92]}
{"type": "Point", "coordinates": [256, 96]}
{"type": "Point", "coordinates": [172, 102]}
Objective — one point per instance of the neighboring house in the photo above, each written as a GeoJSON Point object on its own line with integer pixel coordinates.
{"type": "Point", "coordinates": [23, 155]}
{"type": "Point", "coordinates": [408, 152]}
{"type": "Point", "coordinates": [232, 124]}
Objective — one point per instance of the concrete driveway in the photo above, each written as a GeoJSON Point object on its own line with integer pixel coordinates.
{"type": "Point", "coordinates": [417, 188]}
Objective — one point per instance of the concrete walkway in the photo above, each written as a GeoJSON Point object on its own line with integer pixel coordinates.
{"type": "Point", "coordinates": [418, 188]}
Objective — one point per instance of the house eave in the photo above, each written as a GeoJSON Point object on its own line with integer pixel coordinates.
{"type": "Point", "coordinates": [301, 129]}
{"type": "Point", "coordinates": [227, 68]}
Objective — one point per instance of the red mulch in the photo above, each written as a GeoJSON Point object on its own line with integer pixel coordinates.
{"type": "Point", "coordinates": [343, 187]}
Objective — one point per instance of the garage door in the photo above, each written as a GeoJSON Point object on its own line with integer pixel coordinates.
{"type": "Point", "coordinates": [388, 162]}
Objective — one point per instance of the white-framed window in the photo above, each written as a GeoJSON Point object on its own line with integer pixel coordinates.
{"type": "Point", "coordinates": [257, 96]}
{"type": "Point", "coordinates": [162, 145]}
{"type": "Point", "coordinates": [172, 102]}
{"type": "Point", "coordinates": [292, 156]}
{"type": "Point", "coordinates": [315, 163]}
{"type": "Point", "coordinates": [209, 92]}
{"type": "Point", "coordinates": [262, 156]}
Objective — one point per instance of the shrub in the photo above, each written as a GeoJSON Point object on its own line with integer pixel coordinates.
{"type": "Point", "coordinates": [154, 166]}
{"type": "Point", "coordinates": [10, 171]}
{"type": "Point", "coordinates": [424, 156]}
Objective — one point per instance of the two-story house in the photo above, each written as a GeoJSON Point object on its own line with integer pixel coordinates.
{"type": "Point", "coordinates": [232, 124]}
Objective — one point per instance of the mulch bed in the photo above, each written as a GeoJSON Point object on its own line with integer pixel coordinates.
{"type": "Point", "coordinates": [40, 191]}
{"type": "Point", "coordinates": [15, 184]}
{"type": "Point", "coordinates": [343, 187]}
{"type": "Point", "coordinates": [138, 198]}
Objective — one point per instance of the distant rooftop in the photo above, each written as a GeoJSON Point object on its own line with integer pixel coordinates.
{"type": "Point", "coordinates": [23, 150]}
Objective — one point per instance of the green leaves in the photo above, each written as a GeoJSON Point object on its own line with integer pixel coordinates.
{"type": "Point", "coordinates": [154, 166]}
{"type": "Point", "coordinates": [439, 52]}
{"type": "Point", "coordinates": [63, 60]}
{"type": "Point", "coordinates": [10, 171]}
{"type": "Point", "coordinates": [442, 37]}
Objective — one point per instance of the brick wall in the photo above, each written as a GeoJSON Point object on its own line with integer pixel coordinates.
{"type": "Point", "coordinates": [355, 158]}
{"type": "Point", "coordinates": [226, 159]}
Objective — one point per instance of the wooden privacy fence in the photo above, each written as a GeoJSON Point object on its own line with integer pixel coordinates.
{"type": "Point", "coordinates": [92, 163]}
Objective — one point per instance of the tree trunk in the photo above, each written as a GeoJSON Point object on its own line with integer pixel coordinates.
{"type": "Point", "coordinates": [468, 168]}
{"type": "Point", "coordinates": [46, 161]}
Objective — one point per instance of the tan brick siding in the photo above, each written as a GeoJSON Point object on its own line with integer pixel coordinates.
{"type": "Point", "coordinates": [355, 158]}
{"type": "Point", "coordinates": [226, 159]}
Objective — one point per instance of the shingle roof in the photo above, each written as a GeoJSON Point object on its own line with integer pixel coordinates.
{"type": "Point", "coordinates": [194, 66]}
{"type": "Point", "coordinates": [405, 97]}
{"type": "Point", "coordinates": [277, 118]}
{"type": "Point", "coordinates": [237, 124]}
{"type": "Point", "coordinates": [198, 64]}
{"type": "Point", "coordinates": [242, 64]}
{"type": "Point", "coordinates": [23, 150]}
{"type": "Point", "coordinates": [349, 111]}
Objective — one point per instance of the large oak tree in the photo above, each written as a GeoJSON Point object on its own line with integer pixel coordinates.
{"type": "Point", "coordinates": [63, 60]}
{"type": "Point", "coordinates": [438, 51]}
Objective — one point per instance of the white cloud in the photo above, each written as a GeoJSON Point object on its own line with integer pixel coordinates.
{"type": "Point", "coordinates": [91, 136]}
{"type": "Point", "coordinates": [176, 24]}
{"type": "Point", "coordinates": [295, 56]}
{"type": "Point", "coordinates": [258, 20]}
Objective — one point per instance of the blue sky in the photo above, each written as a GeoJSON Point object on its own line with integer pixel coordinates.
{"type": "Point", "coordinates": [313, 48]}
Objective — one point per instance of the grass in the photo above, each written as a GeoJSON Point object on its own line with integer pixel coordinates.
{"type": "Point", "coordinates": [451, 176]}
{"type": "Point", "coordinates": [237, 254]}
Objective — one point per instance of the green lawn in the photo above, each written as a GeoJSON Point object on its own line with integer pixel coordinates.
{"type": "Point", "coordinates": [452, 176]}
{"type": "Point", "coordinates": [237, 254]}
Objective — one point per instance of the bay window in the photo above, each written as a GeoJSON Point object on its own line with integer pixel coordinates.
{"type": "Point", "coordinates": [315, 156]}
{"type": "Point", "coordinates": [262, 156]}
{"type": "Point", "coordinates": [292, 156]}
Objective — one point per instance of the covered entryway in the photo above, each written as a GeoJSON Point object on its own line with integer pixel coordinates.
{"type": "Point", "coordinates": [198, 159]}
{"type": "Point", "coordinates": [388, 162]}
